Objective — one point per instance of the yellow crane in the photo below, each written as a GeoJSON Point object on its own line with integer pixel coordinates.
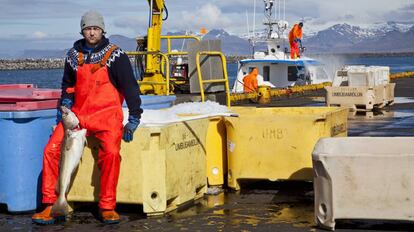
{"type": "Point", "coordinates": [156, 73]}
{"type": "Point", "coordinates": [153, 79]}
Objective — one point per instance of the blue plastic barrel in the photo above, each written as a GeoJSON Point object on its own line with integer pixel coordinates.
{"type": "Point", "coordinates": [155, 102]}
{"type": "Point", "coordinates": [23, 136]}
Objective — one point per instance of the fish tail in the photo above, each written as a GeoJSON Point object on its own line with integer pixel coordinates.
{"type": "Point", "coordinates": [60, 207]}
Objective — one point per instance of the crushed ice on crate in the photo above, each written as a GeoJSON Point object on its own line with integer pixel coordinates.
{"type": "Point", "coordinates": [168, 115]}
{"type": "Point", "coordinates": [207, 107]}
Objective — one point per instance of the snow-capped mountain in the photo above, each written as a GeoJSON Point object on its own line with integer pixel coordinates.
{"type": "Point", "coordinates": [347, 38]}
{"type": "Point", "coordinates": [383, 28]}
{"type": "Point", "coordinates": [231, 44]}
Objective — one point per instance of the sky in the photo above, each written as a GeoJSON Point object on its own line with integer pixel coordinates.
{"type": "Point", "coordinates": [54, 24]}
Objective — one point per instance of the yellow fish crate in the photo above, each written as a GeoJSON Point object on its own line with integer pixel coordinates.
{"type": "Point", "coordinates": [162, 168]}
{"type": "Point", "coordinates": [277, 143]}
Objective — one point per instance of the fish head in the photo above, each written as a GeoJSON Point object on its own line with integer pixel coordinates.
{"type": "Point", "coordinates": [69, 119]}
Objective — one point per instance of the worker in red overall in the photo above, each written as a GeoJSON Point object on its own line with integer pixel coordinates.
{"type": "Point", "coordinates": [97, 77]}
{"type": "Point", "coordinates": [295, 40]}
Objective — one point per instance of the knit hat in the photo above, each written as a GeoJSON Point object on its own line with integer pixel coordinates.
{"type": "Point", "coordinates": [92, 19]}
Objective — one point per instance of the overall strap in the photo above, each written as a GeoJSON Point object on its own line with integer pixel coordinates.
{"type": "Point", "coordinates": [80, 59]}
{"type": "Point", "coordinates": [104, 59]}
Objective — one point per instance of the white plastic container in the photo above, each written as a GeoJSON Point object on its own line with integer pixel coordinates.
{"type": "Point", "coordinates": [361, 88]}
{"type": "Point", "coordinates": [363, 178]}
{"type": "Point", "coordinates": [368, 76]}
{"type": "Point", "coordinates": [361, 77]}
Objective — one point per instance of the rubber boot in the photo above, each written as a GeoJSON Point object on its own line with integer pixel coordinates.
{"type": "Point", "coordinates": [109, 216]}
{"type": "Point", "coordinates": [45, 217]}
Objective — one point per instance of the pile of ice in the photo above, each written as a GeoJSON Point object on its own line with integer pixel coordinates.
{"type": "Point", "coordinates": [208, 107]}
{"type": "Point", "coordinates": [169, 115]}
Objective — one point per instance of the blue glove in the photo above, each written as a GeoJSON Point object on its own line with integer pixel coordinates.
{"type": "Point", "coordinates": [299, 41]}
{"type": "Point", "coordinates": [68, 104]}
{"type": "Point", "coordinates": [130, 128]}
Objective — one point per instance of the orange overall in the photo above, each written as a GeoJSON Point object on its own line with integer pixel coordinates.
{"type": "Point", "coordinates": [295, 33]}
{"type": "Point", "coordinates": [98, 105]}
{"type": "Point", "coordinates": [250, 81]}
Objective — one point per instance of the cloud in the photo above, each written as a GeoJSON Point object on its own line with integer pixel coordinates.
{"type": "Point", "coordinates": [404, 13]}
{"type": "Point", "coordinates": [208, 15]}
{"type": "Point", "coordinates": [136, 24]}
{"type": "Point", "coordinates": [39, 9]}
{"type": "Point", "coordinates": [48, 20]}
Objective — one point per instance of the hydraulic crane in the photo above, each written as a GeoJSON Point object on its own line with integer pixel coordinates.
{"type": "Point", "coordinates": [156, 70]}
{"type": "Point", "coordinates": [152, 77]}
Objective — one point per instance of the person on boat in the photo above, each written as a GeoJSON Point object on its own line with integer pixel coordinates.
{"type": "Point", "coordinates": [97, 77]}
{"type": "Point", "coordinates": [295, 40]}
{"type": "Point", "coordinates": [250, 81]}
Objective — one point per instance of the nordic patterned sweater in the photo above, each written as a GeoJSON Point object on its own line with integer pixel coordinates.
{"type": "Point", "coordinates": [119, 70]}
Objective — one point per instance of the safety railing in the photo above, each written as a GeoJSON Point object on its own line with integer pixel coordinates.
{"type": "Point", "coordinates": [225, 80]}
{"type": "Point", "coordinates": [171, 54]}
{"type": "Point", "coordinates": [166, 80]}
{"type": "Point", "coordinates": [173, 37]}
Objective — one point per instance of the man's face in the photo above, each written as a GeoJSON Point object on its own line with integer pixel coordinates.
{"type": "Point", "coordinates": [92, 35]}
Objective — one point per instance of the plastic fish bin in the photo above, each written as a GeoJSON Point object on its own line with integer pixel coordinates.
{"type": "Point", "coordinates": [277, 143]}
{"type": "Point", "coordinates": [356, 98]}
{"type": "Point", "coordinates": [153, 102]}
{"type": "Point", "coordinates": [368, 76]}
{"type": "Point", "coordinates": [23, 136]}
{"type": "Point", "coordinates": [363, 178]}
{"type": "Point", "coordinates": [162, 168]}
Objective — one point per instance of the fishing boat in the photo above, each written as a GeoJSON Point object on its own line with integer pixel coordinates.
{"type": "Point", "coordinates": [276, 68]}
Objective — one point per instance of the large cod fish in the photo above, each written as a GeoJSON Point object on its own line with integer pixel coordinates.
{"type": "Point", "coordinates": [71, 151]}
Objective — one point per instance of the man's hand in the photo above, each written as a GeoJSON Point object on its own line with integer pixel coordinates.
{"type": "Point", "coordinates": [130, 128]}
{"type": "Point", "coordinates": [68, 104]}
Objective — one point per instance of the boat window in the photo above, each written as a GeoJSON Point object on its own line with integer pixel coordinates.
{"type": "Point", "coordinates": [294, 72]}
{"type": "Point", "coordinates": [266, 72]}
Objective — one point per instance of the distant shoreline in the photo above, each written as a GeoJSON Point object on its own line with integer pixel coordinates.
{"type": "Point", "coordinates": [58, 63]}
{"type": "Point", "coordinates": [30, 64]}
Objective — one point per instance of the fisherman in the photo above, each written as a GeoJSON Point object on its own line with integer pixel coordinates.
{"type": "Point", "coordinates": [295, 40]}
{"type": "Point", "coordinates": [97, 77]}
{"type": "Point", "coordinates": [250, 81]}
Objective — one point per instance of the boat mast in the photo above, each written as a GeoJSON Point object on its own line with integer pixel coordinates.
{"type": "Point", "coordinates": [270, 21]}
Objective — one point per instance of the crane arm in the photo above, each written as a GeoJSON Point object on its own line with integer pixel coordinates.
{"type": "Point", "coordinates": [154, 28]}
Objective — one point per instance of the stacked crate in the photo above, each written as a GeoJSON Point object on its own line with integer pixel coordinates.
{"type": "Point", "coordinates": [361, 88]}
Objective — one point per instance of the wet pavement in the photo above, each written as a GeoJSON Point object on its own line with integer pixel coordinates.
{"type": "Point", "coordinates": [259, 206]}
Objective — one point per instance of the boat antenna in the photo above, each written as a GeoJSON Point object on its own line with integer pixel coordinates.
{"type": "Point", "coordinates": [278, 9]}
{"type": "Point", "coordinates": [269, 16]}
{"type": "Point", "coordinates": [248, 30]}
{"type": "Point", "coordinates": [254, 16]}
